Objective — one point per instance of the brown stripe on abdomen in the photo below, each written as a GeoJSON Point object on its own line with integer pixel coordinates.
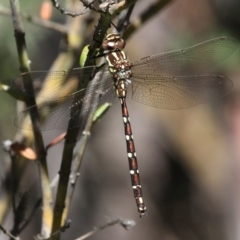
{"type": "Point", "coordinates": [132, 160]}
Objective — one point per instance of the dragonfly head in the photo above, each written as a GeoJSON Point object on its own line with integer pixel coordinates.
{"type": "Point", "coordinates": [113, 42]}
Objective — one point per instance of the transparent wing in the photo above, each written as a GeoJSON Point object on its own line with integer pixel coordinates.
{"type": "Point", "coordinates": [181, 91]}
{"type": "Point", "coordinates": [190, 60]}
{"type": "Point", "coordinates": [55, 84]}
{"type": "Point", "coordinates": [157, 80]}
{"type": "Point", "coordinates": [55, 116]}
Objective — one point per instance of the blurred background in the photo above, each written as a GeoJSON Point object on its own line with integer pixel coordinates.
{"type": "Point", "coordinates": [189, 159]}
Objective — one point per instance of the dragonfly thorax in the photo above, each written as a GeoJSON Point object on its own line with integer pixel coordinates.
{"type": "Point", "coordinates": [113, 42]}
{"type": "Point", "coordinates": [123, 75]}
{"type": "Point", "coordinates": [118, 65]}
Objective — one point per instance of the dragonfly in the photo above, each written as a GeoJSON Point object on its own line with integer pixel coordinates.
{"type": "Point", "coordinates": [171, 80]}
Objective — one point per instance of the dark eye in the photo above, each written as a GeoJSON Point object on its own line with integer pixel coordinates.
{"type": "Point", "coordinates": [120, 45]}
{"type": "Point", "coordinates": [111, 47]}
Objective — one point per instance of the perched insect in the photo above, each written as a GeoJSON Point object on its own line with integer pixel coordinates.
{"type": "Point", "coordinates": [169, 80]}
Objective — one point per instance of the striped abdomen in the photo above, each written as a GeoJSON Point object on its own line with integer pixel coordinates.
{"type": "Point", "coordinates": [121, 90]}
{"type": "Point", "coordinates": [120, 68]}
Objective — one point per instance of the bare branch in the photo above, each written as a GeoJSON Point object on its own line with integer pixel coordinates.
{"type": "Point", "coordinates": [60, 208]}
{"type": "Point", "coordinates": [88, 6]}
{"type": "Point", "coordinates": [8, 233]}
{"type": "Point", "coordinates": [114, 9]}
{"type": "Point", "coordinates": [66, 225]}
{"type": "Point", "coordinates": [38, 21]}
{"type": "Point", "coordinates": [93, 103]}
{"type": "Point", "coordinates": [127, 224]}
{"type": "Point", "coordinates": [36, 206]}
{"type": "Point", "coordinates": [30, 101]}
{"type": "Point", "coordinates": [20, 212]}
{"type": "Point", "coordinates": [111, 8]}
{"type": "Point", "coordinates": [150, 12]}
{"type": "Point", "coordinates": [124, 19]}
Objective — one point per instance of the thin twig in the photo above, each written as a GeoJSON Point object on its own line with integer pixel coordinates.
{"type": "Point", "coordinates": [8, 233]}
{"type": "Point", "coordinates": [116, 8]}
{"type": "Point", "coordinates": [38, 21]}
{"type": "Point", "coordinates": [127, 224]}
{"type": "Point", "coordinates": [150, 12]}
{"type": "Point", "coordinates": [124, 19]}
{"type": "Point", "coordinates": [91, 104]}
{"type": "Point", "coordinates": [54, 181]}
{"type": "Point", "coordinates": [90, 5]}
{"type": "Point", "coordinates": [19, 213]}
{"type": "Point", "coordinates": [30, 101]}
{"type": "Point", "coordinates": [66, 225]}
{"type": "Point", "coordinates": [57, 5]}
{"type": "Point", "coordinates": [36, 206]}
{"type": "Point", "coordinates": [70, 141]}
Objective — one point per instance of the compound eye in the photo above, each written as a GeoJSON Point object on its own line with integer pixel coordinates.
{"type": "Point", "coordinates": [111, 45]}
{"type": "Point", "coordinates": [105, 44]}
{"type": "Point", "coordinates": [120, 44]}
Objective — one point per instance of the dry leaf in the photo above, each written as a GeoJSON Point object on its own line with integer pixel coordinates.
{"type": "Point", "coordinates": [24, 151]}
{"type": "Point", "coordinates": [46, 10]}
